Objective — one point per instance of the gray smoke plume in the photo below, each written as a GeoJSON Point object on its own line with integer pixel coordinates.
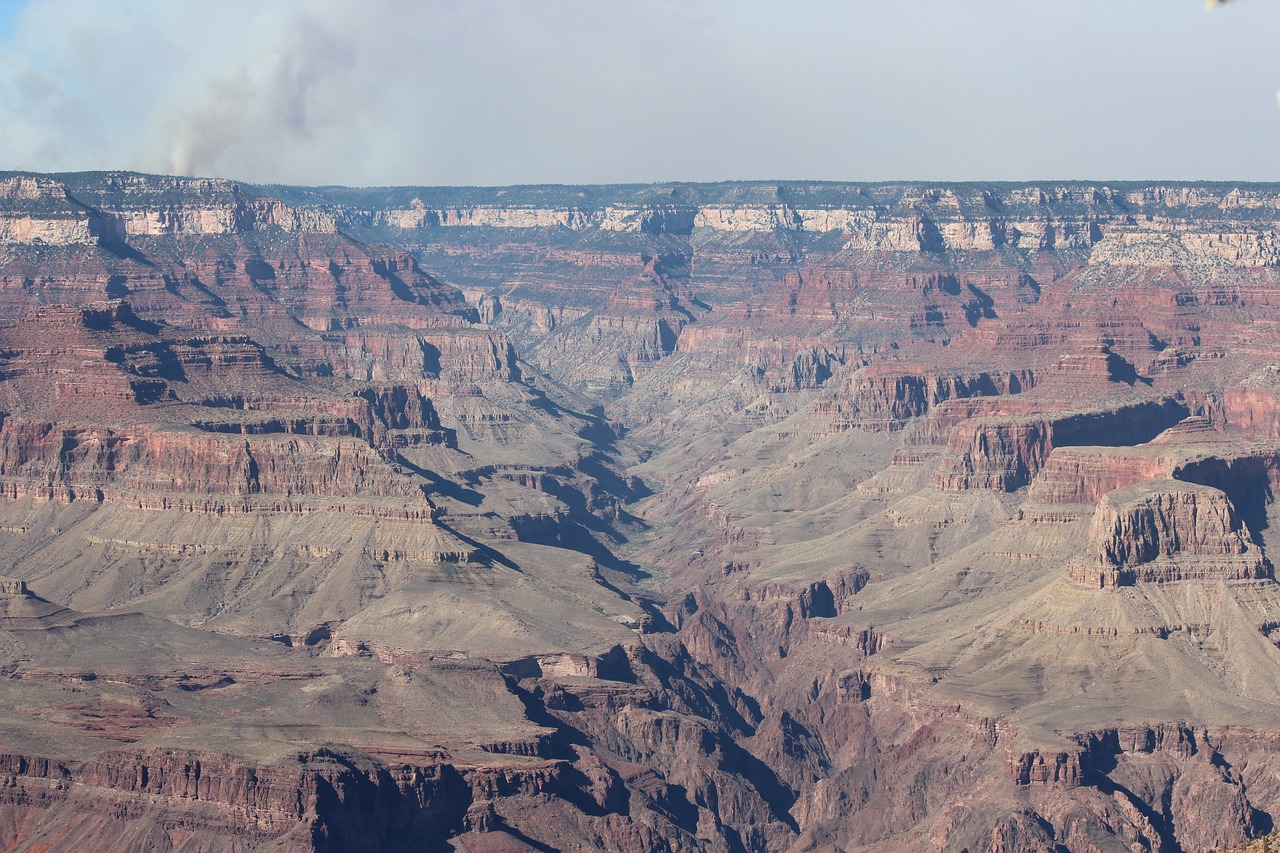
{"type": "Point", "coordinates": [267, 109]}
{"type": "Point", "coordinates": [529, 91]}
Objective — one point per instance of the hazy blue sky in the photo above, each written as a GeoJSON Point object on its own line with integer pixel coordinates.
{"type": "Point", "coordinates": [582, 91]}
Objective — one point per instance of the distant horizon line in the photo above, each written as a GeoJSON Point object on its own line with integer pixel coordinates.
{"type": "Point", "coordinates": [781, 182]}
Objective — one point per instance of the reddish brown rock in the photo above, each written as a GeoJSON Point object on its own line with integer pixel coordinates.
{"type": "Point", "coordinates": [457, 511]}
{"type": "Point", "coordinates": [885, 397]}
{"type": "Point", "coordinates": [1164, 530]}
{"type": "Point", "coordinates": [1005, 453]}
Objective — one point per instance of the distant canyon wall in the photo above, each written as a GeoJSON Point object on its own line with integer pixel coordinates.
{"type": "Point", "coordinates": [1237, 224]}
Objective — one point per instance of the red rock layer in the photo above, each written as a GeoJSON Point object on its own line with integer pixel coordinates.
{"type": "Point", "coordinates": [1164, 530]}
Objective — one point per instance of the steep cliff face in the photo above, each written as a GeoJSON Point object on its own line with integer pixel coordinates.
{"type": "Point", "coordinates": [121, 205]}
{"type": "Point", "coordinates": [1164, 530]}
{"type": "Point", "coordinates": [1005, 453]}
{"type": "Point", "coordinates": [889, 396]}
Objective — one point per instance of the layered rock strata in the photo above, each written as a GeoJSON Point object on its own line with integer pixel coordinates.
{"type": "Point", "coordinates": [717, 518]}
{"type": "Point", "coordinates": [1165, 530]}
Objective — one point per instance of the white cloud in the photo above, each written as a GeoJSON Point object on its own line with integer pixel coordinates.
{"type": "Point", "coordinates": [528, 91]}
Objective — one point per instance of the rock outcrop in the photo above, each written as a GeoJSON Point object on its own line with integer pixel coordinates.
{"type": "Point", "coordinates": [1005, 453]}
{"type": "Point", "coordinates": [1165, 530]}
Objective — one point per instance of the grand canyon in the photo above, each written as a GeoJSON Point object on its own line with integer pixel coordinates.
{"type": "Point", "coordinates": [680, 517]}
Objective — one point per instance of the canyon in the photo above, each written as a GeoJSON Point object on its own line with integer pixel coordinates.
{"type": "Point", "coordinates": [684, 517]}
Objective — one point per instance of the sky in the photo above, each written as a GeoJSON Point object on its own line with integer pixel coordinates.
{"type": "Point", "coordinates": [497, 92]}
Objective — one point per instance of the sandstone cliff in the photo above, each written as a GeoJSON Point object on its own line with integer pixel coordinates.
{"type": "Point", "coordinates": [1163, 530]}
